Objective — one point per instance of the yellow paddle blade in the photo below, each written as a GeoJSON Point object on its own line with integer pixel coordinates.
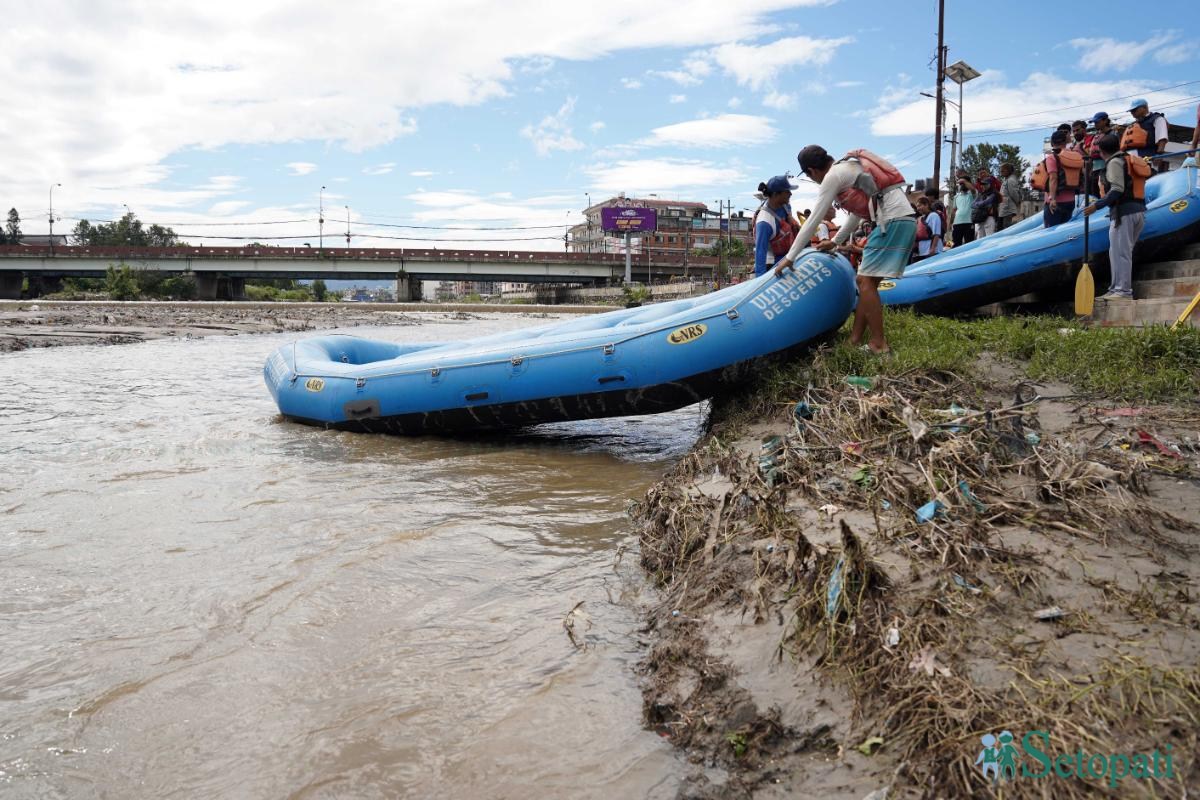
{"type": "Point", "coordinates": [1187, 312]}
{"type": "Point", "coordinates": [1085, 292]}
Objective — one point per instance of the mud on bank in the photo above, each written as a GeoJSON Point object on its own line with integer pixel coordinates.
{"type": "Point", "coordinates": [858, 582]}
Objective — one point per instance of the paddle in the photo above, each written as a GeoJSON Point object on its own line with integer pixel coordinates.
{"type": "Point", "coordinates": [1085, 287]}
{"type": "Point", "coordinates": [1187, 312]}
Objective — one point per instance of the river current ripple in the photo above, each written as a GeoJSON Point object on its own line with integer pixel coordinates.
{"type": "Point", "coordinates": [202, 600]}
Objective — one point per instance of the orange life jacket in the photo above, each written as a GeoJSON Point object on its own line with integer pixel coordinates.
{"type": "Point", "coordinates": [1070, 171]}
{"type": "Point", "coordinates": [1139, 133]}
{"type": "Point", "coordinates": [1137, 170]}
{"type": "Point", "coordinates": [829, 226]}
{"type": "Point", "coordinates": [859, 200]}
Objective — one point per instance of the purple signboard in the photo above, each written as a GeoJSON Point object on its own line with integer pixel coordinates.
{"type": "Point", "coordinates": [628, 220]}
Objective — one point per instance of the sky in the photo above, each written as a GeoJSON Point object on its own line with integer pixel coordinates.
{"type": "Point", "coordinates": [492, 124]}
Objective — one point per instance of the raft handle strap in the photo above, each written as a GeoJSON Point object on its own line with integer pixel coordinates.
{"type": "Point", "coordinates": [516, 361]}
{"type": "Point", "coordinates": [609, 349]}
{"type": "Point", "coordinates": [732, 313]}
{"type": "Point", "coordinates": [433, 373]}
{"type": "Point", "coordinates": [360, 383]}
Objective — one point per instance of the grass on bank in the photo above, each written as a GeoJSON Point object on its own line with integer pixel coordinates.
{"type": "Point", "coordinates": [1151, 364]}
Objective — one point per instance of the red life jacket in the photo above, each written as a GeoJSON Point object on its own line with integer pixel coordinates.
{"type": "Point", "coordinates": [859, 199]}
{"type": "Point", "coordinates": [783, 232]}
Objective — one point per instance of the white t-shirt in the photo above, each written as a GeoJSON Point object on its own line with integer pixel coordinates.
{"type": "Point", "coordinates": [842, 176]}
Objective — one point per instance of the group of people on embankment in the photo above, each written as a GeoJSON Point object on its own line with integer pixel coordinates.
{"type": "Point", "coordinates": [885, 232]}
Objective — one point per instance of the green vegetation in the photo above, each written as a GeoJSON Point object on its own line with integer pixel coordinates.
{"type": "Point", "coordinates": [12, 230]}
{"type": "Point", "coordinates": [635, 294]}
{"type": "Point", "coordinates": [1150, 364]}
{"type": "Point", "coordinates": [990, 157]}
{"type": "Point", "coordinates": [128, 230]}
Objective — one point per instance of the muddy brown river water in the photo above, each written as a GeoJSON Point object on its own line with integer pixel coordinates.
{"type": "Point", "coordinates": [198, 599]}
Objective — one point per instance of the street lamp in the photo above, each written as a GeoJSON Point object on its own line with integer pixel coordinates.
{"type": "Point", "coordinates": [52, 216]}
{"type": "Point", "coordinates": [321, 219]}
{"type": "Point", "coordinates": [960, 72]}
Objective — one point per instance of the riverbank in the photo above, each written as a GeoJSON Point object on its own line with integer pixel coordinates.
{"type": "Point", "coordinates": [36, 323]}
{"type": "Point", "coordinates": [868, 565]}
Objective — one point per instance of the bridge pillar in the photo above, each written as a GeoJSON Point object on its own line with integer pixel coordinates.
{"type": "Point", "coordinates": [10, 285]}
{"type": "Point", "coordinates": [206, 285]}
{"type": "Point", "coordinates": [408, 290]}
{"type": "Point", "coordinates": [237, 288]}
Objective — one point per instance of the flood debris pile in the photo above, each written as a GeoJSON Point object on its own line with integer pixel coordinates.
{"type": "Point", "coordinates": [955, 557]}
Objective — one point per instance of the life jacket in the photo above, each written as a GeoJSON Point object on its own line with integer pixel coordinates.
{"type": "Point", "coordinates": [1140, 134]}
{"type": "Point", "coordinates": [830, 227]}
{"type": "Point", "coordinates": [1070, 171]}
{"type": "Point", "coordinates": [1137, 170]}
{"type": "Point", "coordinates": [878, 174]}
{"type": "Point", "coordinates": [783, 233]}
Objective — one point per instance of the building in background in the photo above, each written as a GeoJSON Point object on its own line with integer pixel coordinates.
{"type": "Point", "coordinates": [684, 226]}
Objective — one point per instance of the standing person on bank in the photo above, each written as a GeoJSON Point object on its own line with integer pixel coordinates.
{"type": "Point", "coordinates": [1010, 196]}
{"type": "Point", "coordinates": [987, 202]}
{"type": "Point", "coordinates": [869, 188]}
{"type": "Point", "coordinates": [1147, 134]}
{"type": "Point", "coordinates": [774, 228]}
{"type": "Point", "coordinates": [1060, 193]}
{"type": "Point", "coordinates": [964, 195]}
{"type": "Point", "coordinates": [1125, 195]}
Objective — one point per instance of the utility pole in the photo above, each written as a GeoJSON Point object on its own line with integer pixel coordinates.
{"type": "Point", "coordinates": [941, 76]}
{"type": "Point", "coordinates": [954, 148]}
{"type": "Point", "coordinates": [52, 216]}
{"type": "Point", "coordinates": [321, 219]}
{"type": "Point", "coordinates": [347, 227]}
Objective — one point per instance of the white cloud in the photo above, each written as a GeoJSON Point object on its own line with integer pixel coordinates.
{"type": "Point", "coordinates": [212, 78]}
{"type": "Point", "coordinates": [735, 102]}
{"type": "Point", "coordinates": [301, 168]}
{"type": "Point", "coordinates": [779, 101]}
{"type": "Point", "coordinates": [724, 130]}
{"type": "Point", "coordinates": [1107, 54]}
{"type": "Point", "coordinates": [227, 207]}
{"type": "Point", "coordinates": [645, 176]}
{"type": "Point", "coordinates": [422, 173]}
{"type": "Point", "coordinates": [554, 131]}
{"type": "Point", "coordinates": [379, 169]}
{"type": "Point", "coordinates": [993, 105]}
{"type": "Point", "coordinates": [631, 83]}
{"type": "Point", "coordinates": [677, 98]}
{"type": "Point", "coordinates": [596, 126]}
{"type": "Point", "coordinates": [758, 66]}
{"type": "Point", "coordinates": [847, 84]}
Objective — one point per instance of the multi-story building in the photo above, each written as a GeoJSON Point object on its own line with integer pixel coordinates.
{"type": "Point", "coordinates": [683, 227]}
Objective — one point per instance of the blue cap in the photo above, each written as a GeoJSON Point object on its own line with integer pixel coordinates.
{"type": "Point", "coordinates": [780, 183]}
{"type": "Point", "coordinates": [1099, 115]}
{"type": "Point", "coordinates": [1139, 103]}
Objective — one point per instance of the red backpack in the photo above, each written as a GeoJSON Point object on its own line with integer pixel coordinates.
{"type": "Point", "coordinates": [855, 200]}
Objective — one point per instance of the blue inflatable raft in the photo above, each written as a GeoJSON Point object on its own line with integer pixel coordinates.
{"type": "Point", "coordinates": [634, 361]}
{"type": "Point", "coordinates": [1031, 258]}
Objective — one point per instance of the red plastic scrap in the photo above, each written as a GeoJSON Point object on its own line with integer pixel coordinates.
{"type": "Point", "coordinates": [1123, 412]}
{"type": "Point", "coordinates": [1146, 439]}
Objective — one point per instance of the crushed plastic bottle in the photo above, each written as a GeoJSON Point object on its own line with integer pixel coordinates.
{"type": "Point", "coordinates": [860, 381]}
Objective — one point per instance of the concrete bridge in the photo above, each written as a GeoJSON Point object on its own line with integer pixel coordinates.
{"type": "Point", "coordinates": [222, 271]}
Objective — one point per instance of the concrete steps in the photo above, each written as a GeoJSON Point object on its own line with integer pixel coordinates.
{"type": "Point", "coordinates": [1161, 292]}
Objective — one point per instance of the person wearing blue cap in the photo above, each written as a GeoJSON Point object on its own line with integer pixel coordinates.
{"type": "Point", "coordinates": [1155, 127]}
{"type": "Point", "coordinates": [1103, 126]}
{"type": "Point", "coordinates": [774, 228]}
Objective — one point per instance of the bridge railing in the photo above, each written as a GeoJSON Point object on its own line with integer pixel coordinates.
{"type": "Point", "coordinates": [348, 253]}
